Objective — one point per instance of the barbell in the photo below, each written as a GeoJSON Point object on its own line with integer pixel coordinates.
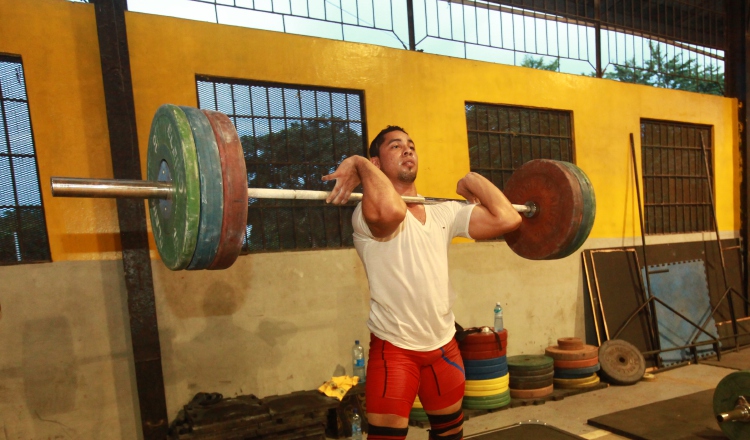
{"type": "Point", "coordinates": [198, 194]}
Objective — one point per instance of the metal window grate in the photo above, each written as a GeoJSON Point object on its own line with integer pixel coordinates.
{"type": "Point", "coordinates": [292, 136]}
{"type": "Point", "coordinates": [503, 137]}
{"type": "Point", "coordinates": [675, 185]}
{"type": "Point", "coordinates": [23, 231]}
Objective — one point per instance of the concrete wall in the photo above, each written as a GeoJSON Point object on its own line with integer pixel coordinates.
{"type": "Point", "coordinates": [279, 322]}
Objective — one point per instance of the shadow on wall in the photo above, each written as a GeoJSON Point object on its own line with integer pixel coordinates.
{"type": "Point", "coordinates": [50, 371]}
{"type": "Point", "coordinates": [224, 357]}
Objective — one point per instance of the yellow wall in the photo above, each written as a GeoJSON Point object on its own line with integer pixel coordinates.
{"type": "Point", "coordinates": [424, 93]}
{"type": "Point", "coordinates": [58, 44]}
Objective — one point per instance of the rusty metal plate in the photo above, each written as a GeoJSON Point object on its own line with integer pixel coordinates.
{"type": "Point", "coordinates": [560, 354]}
{"type": "Point", "coordinates": [556, 192]}
{"type": "Point", "coordinates": [621, 362]}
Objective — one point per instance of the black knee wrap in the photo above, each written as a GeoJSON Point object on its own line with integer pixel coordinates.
{"type": "Point", "coordinates": [375, 432]}
{"type": "Point", "coordinates": [443, 423]}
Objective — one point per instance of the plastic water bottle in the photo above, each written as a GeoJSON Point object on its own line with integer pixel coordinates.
{"type": "Point", "coordinates": [358, 361]}
{"type": "Point", "coordinates": [498, 317]}
{"type": "Point", "coordinates": [356, 426]}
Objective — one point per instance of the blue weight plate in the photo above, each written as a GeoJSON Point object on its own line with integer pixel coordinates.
{"type": "Point", "coordinates": [502, 360]}
{"type": "Point", "coordinates": [212, 189]}
{"type": "Point", "coordinates": [482, 370]}
{"type": "Point", "coordinates": [172, 158]}
{"type": "Point", "coordinates": [484, 376]}
{"type": "Point", "coordinates": [576, 373]}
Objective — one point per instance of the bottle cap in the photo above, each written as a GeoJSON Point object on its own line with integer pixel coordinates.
{"type": "Point", "coordinates": [356, 341]}
{"type": "Point", "coordinates": [497, 303]}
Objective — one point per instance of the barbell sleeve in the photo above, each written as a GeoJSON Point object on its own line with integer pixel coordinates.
{"type": "Point", "coordinates": [119, 188]}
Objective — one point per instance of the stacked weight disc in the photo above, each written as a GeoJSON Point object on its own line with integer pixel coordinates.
{"type": "Point", "coordinates": [486, 369]}
{"type": "Point", "coordinates": [417, 412]}
{"type": "Point", "coordinates": [576, 364]}
{"type": "Point", "coordinates": [202, 225]}
{"type": "Point", "coordinates": [530, 376]}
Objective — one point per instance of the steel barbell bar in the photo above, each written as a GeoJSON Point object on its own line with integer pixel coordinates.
{"type": "Point", "coordinates": [143, 189]}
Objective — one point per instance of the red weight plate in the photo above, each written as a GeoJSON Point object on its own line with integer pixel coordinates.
{"type": "Point", "coordinates": [570, 343]}
{"type": "Point", "coordinates": [234, 175]}
{"type": "Point", "coordinates": [557, 194]}
{"type": "Point", "coordinates": [531, 394]}
{"type": "Point", "coordinates": [484, 336]}
{"type": "Point", "coordinates": [479, 355]}
{"type": "Point", "coordinates": [582, 363]}
{"type": "Point", "coordinates": [484, 346]}
{"type": "Point", "coordinates": [558, 354]}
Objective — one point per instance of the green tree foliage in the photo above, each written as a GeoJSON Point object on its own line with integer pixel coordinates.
{"type": "Point", "coordinates": [538, 63]}
{"type": "Point", "coordinates": [296, 156]}
{"type": "Point", "coordinates": [674, 72]}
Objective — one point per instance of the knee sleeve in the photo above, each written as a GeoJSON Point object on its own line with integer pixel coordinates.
{"type": "Point", "coordinates": [375, 432]}
{"type": "Point", "coordinates": [443, 423]}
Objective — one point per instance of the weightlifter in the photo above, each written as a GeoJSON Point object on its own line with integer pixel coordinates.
{"type": "Point", "coordinates": [404, 249]}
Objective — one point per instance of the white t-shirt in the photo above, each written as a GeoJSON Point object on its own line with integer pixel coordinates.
{"type": "Point", "coordinates": [411, 298]}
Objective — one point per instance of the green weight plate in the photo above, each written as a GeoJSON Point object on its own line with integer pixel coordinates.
{"type": "Point", "coordinates": [234, 174]}
{"type": "Point", "coordinates": [533, 373]}
{"type": "Point", "coordinates": [589, 210]}
{"type": "Point", "coordinates": [526, 362]}
{"type": "Point", "coordinates": [523, 379]}
{"type": "Point", "coordinates": [172, 158]}
{"type": "Point", "coordinates": [474, 405]}
{"type": "Point", "coordinates": [557, 194]}
{"type": "Point", "coordinates": [212, 192]}
{"type": "Point", "coordinates": [492, 398]}
{"type": "Point", "coordinates": [725, 399]}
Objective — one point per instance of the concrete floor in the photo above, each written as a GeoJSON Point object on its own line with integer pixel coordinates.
{"type": "Point", "coordinates": [572, 413]}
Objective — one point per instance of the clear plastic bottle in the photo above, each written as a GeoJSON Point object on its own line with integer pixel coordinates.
{"type": "Point", "coordinates": [358, 361]}
{"type": "Point", "coordinates": [356, 425]}
{"type": "Point", "coordinates": [498, 317]}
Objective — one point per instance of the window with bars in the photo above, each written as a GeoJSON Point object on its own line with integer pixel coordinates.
{"type": "Point", "coordinates": [675, 184]}
{"type": "Point", "coordinates": [504, 137]}
{"type": "Point", "coordinates": [292, 136]}
{"type": "Point", "coordinates": [23, 230]}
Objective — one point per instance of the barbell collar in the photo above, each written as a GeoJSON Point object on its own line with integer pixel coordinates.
{"type": "Point", "coordinates": [120, 188]}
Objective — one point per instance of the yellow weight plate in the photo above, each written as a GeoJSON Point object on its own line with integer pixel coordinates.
{"type": "Point", "coordinates": [483, 384]}
{"type": "Point", "coordinates": [587, 379]}
{"type": "Point", "coordinates": [496, 391]}
{"type": "Point", "coordinates": [590, 383]}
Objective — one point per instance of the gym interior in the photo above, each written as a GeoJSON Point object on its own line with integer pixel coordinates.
{"type": "Point", "coordinates": [100, 340]}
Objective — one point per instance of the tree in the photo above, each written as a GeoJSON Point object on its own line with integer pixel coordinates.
{"type": "Point", "coordinates": [659, 70]}
{"type": "Point", "coordinates": [295, 155]}
{"type": "Point", "coordinates": [538, 63]}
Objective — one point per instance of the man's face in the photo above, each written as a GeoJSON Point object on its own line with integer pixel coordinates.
{"type": "Point", "coordinates": [398, 157]}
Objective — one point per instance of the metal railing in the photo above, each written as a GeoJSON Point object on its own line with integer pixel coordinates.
{"type": "Point", "coordinates": [675, 44]}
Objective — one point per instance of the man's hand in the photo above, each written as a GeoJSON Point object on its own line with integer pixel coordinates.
{"type": "Point", "coordinates": [463, 190]}
{"type": "Point", "coordinates": [347, 178]}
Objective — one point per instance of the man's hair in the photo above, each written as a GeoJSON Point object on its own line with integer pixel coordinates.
{"type": "Point", "coordinates": [380, 138]}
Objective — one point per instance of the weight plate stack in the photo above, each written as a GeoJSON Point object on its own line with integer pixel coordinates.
{"type": "Point", "coordinates": [622, 362]}
{"type": "Point", "coordinates": [212, 192]}
{"type": "Point", "coordinates": [172, 157]}
{"type": "Point", "coordinates": [576, 363]}
{"type": "Point", "coordinates": [486, 394]}
{"type": "Point", "coordinates": [483, 353]}
{"type": "Point", "coordinates": [556, 191]}
{"type": "Point", "coordinates": [234, 185]}
{"type": "Point", "coordinates": [531, 376]}
{"type": "Point", "coordinates": [728, 404]}
{"type": "Point", "coordinates": [487, 402]}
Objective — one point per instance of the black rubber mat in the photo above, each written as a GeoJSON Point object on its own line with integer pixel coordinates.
{"type": "Point", "coordinates": [735, 360]}
{"type": "Point", "coordinates": [681, 418]}
{"type": "Point", "coordinates": [525, 431]}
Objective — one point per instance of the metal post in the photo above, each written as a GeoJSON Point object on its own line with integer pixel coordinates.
{"type": "Point", "coordinates": [136, 259]}
{"type": "Point", "coordinates": [598, 38]}
{"type": "Point", "coordinates": [410, 18]}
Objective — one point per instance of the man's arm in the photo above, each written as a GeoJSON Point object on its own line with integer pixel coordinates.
{"type": "Point", "coordinates": [382, 206]}
{"type": "Point", "coordinates": [495, 215]}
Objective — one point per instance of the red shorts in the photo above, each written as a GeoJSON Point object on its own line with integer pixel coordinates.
{"type": "Point", "coordinates": [395, 376]}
